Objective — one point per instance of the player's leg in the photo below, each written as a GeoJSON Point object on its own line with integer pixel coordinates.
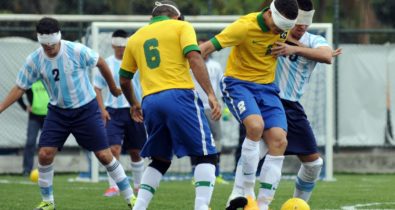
{"type": "Point", "coordinates": [239, 97]}
{"type": "Point", "coordinates": [89, 131]}
{"type": "Point", "coordinates": [308, 174]}
{"type": "Point", "coordinates": [158, 146]}
{"type": "Point", "coordinates": [54, 133]}
{"type": "Point", "coordinates": [135, 137]}
{"type": "Point", "coordinates": [33, 127]}
{"type": "Point", "coordinates": [275, 138]}
{"type": "Point", "coordinates": [191, 136]}
{"type": "Point", "coordinates": [301, 142]}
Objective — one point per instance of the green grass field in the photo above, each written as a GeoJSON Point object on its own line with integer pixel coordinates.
{"type": "Point", "coordinates": [348, 192]}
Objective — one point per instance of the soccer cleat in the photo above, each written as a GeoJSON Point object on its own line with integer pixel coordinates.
{"type": "Point", "coordinates": [111, 191]}
{"type": "Point", "coordinates": [132, 201]}
{"type": "Point", "coordinates": [220, 180]}
{"type": "Point", "coordinates": [236, 202]}
{"type": "Point", "coordinates": [45, 205]}
{"type": "Point", "coordinates": [251, 204]}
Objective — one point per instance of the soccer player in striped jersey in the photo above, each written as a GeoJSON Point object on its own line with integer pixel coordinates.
{"type": "Point", "coordinates": [63, 67]}
{"type": "Point", "coordinates": [296, 63]}
{"type": "Point", "coordinates": [163, 52]}
{"type": "Point", "coordinates": [121, 128]}
{"type": "Point", "coordinates": [252, 97]}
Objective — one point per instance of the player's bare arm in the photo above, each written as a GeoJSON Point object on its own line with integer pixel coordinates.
{"type": "Point", "coordinates": [320, 54]}
{"type": "Point", "coordinates": [106, 73]}
{"type": "Point", "coordinates": [104, 114]}
{"type": "Point", "coordinates": [127, 89]}
{"type": "Point", "coordinates": [199, 70]}
{"type": "Point", "coordinates": [15, 93]}
{"type": "Point", "coordinates": [206, 48]}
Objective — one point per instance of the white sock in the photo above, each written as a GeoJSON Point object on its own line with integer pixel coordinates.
{"type": "Point", "coordinates": [250, 152]}
{"type": "Point", "coordinates": [306, 179]}
{"type": "Point", "coordinates": [111, 181]}
{"type": "Point", "coordinates": [45, 181]}
{"type": "Point", "coordinates": [270, 178]}
{"type": "Point", "coordinates": [238, 186]}
{"type": "Point", "coordinates": [116, 172]}
{"type": "Point", "coordinates": [149, 184]}
{"type": "Point", "coordinates": [204, 185]}
{"type": "Point", "coordinates": [137, 172]}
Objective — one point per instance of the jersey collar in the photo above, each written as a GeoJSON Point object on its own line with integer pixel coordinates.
{"type": "Point", "coordinates": [158, 18]}
{"type": "Point", "coordinates": [261, 21]}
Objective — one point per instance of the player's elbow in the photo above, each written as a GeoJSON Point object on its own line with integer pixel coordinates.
{"type": "Point", "coordinates": [327, 60]}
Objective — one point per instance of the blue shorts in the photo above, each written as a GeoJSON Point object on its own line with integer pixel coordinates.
{"type": "Point", "coordinates": [300, 136]}
{"type": "Point", "coordinates": [176, 124]}
{"type": "Point", "coordinates": [85, 123]}
{"type": "Point", "coordinates": [123, 130]}
{"type": "Point", "coordinates": [247, 98]}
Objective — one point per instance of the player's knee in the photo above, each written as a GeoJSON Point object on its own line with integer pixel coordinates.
{"type": "Point", "coordinates": [254, 130]}
{"type": "Point", "coordinates": [311, 170]}
{"type": "Point", "coordinates": [276, 138]}
{"type": "Point", "coordinates": [46, 156]}
{"type": "Point", "coordinates": [211, 159]}
{"type": "Point", "coordinates": [160, 165]}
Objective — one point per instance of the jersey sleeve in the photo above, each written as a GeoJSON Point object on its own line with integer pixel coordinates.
{"type": "Point", "coordinates": [188, 39]}
{"type": "Point", "coordinates": [28, 74]}
{"type": "Point", "coordinates": [318, 41]}
{"type": "Point", "coordinates": [128, 65]}
{"type": "Point", "coordinates": [232, 35]}
{"type": "Point", "coordinates": [89, 57]}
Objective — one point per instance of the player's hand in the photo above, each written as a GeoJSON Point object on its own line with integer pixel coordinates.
{"type": "Point", "coordinates": [280, 48]}
{"type": "Point", "coordinates": [105, 116]}
{"type": "Point", "coordinates": [215, 107]}
{"type": "Point", "coordinates": [337, 52]}
{"type": "Point", "coordinates": [137, 113]}
{"type": "Point", "coordinates": [116, 91]}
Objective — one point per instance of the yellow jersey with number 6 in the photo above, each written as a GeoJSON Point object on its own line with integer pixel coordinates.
{"type": "Point", "coordinates": [250, 58]}
{"type": "Point", "coordinates": [158, 51]}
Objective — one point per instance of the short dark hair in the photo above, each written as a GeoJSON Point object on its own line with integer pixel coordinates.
{"type": "Point", "coordinates": [288, 8]}
{"type": "Point", "coordinates": [305, 5]}
{"type": "Point", "coordinates": [47, 25]}
{"type": "Point", "coordinates": [120, 33]}
{"type": "Point", "coordinates": [165, 10]}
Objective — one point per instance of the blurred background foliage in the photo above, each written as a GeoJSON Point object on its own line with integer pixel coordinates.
{"type": "Point", "coordinates": [362, 21]}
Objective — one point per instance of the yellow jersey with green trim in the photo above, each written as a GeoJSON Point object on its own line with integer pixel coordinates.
{"type": "Point", "coordinates": [158, 51]}
{"type": "Point", "coordinates": [250, 58]}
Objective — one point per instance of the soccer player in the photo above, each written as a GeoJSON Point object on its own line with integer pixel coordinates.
{"type": "Point", "coordinates": [63, 67]}
{"type": "Point", "coordinates": [38, 100]}
{"type": "Point", "coordinates": [120, 126]}
{"type": "Point", "coordinates": [215, 74]}
{"type": "Point", "coordinates": [252, 96]}
{"type": "Point", "coordinates": [295, 65]}
{"type": "Point", "coordinates": [163, 52]}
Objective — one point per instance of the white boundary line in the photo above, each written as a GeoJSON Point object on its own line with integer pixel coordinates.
{"type": "Point", "coordinates": [354, 207]}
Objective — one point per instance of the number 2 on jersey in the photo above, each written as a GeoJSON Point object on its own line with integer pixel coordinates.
{"type": "Point", "coordinates": [151, 52]}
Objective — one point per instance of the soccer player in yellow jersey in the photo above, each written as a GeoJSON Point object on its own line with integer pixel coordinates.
{"type": "Point", "coordinates": [163, 52]}
{"type": "Point", "coordinates": [253, 98]}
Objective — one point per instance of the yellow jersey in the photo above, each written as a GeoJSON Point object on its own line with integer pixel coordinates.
{"type": "Point", "coordinates": [250, 58]}
{"type": "Point", "coordinates": [158, 51]}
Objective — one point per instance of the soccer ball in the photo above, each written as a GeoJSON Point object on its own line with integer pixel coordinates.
{"type": "Point", "coordinates": [295, 204]}
{"type": "Point", "coordinates": [34, 175]}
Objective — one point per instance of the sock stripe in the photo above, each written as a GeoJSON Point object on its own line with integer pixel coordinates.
{"type": "Point", "coordinates": [46, 191]}
{"type": "Point", "coordinates": [123, 185]}
{"type": "Point", "coordinates": [266, 186]}
{"type": "Point", "coordinates": [148, 188]}
{"type": "Point", "coordinates": [304, 186]}
{"type": "Point", "coordinates": [203, 184]}
{"type": "Point", "coordinates": [113, 167]}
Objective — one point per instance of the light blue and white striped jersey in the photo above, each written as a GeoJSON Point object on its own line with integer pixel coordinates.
{"type": "Point", "coordinates": [293, 72]}
{"type": "Point", "coordinates": [65, 77]}
{"type": "Point", "coordinates": [100, 82]}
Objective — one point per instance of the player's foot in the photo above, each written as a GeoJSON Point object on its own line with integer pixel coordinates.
{"type": "Point", "coordinates": [132, 201]}
{"type": "Point", "coordinates": [236, 201]}
{"type": "Point", "coordinates": [111, 191]}
{"type": "Point", "coordinates": [251, 204]}
{"type": "Point", "coordinates": [220, 180]}
{"type": "Point", "coordinates": [45, 205]}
